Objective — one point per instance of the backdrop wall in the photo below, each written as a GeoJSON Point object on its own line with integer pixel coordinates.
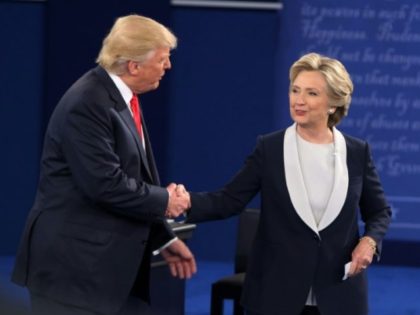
{"type": "Point", "coordinates": [22, 29]}
{"type": "Point", "coordinates": [222, 98]}
{"type": "Point", "coordinates": [228, 85]}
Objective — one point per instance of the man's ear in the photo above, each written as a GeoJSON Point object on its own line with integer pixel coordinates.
{"type": "Point", "coordinates": [133, 67]}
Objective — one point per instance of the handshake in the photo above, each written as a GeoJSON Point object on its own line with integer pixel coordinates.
{"type": "Point", "coordinates": [179, 200]}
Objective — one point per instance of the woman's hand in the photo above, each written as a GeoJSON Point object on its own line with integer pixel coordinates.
{"type": "Point", "coordinates": [362, 255]}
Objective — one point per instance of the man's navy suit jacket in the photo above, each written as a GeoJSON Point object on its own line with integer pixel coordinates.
{"type": "Point", "coordinates": [288, 257]}
{"type": "Point", "coordinates": [99, 210]}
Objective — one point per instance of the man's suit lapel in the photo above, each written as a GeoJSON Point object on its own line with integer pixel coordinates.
{"type": "Point", "coordinates": [296, 185]}
{"type": "Point", "coordinates": [128, 119]}
{"type": "Point", "coordinates": [125, 114]}
{"type": "Point", "coordinates": [151, 159]}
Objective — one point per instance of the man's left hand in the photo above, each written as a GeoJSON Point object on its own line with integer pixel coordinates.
{"type": "Point", "coordinates": [180, 260]}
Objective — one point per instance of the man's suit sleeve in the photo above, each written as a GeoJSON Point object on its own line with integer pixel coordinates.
{"type": "Point", "coordinates": [89, 145]}
{"type": "Point", "coordinates": [161, 234]}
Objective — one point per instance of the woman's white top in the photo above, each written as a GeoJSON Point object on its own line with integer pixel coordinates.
{"type": "Point", "coordinates": [317, 165]}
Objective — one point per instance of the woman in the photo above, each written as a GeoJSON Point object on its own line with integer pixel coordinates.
{"type": "Point", "coordinates": [308, 256]}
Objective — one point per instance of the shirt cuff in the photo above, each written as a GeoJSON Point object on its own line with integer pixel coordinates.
{"type": "Point", "coordinates": [157, 251]}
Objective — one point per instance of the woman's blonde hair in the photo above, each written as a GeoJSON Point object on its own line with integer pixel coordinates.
{"type": "Point", "coordinates": [339, 84]}
{"type": "Point", "coordinates": [133, 37]}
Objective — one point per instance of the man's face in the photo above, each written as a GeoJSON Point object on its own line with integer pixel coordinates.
{"type": "Point", "coordinates": [151, 71]}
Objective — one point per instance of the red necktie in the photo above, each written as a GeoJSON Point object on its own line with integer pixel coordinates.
{"type": "Point", "coordinates": [135, 108]}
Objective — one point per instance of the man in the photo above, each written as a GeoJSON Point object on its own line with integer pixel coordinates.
{"type": "Point", "coordinates": [99, 211]}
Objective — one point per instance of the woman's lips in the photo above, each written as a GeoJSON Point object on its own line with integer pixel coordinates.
{"type": "Point", "coordinates": [300, 112]}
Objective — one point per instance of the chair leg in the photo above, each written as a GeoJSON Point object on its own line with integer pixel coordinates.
{"type": "Point", "coordinates": [216, 305]}
{"type": "Point", "coordinates": [237, 308]}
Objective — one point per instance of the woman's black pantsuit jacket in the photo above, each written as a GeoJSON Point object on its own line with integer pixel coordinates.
{"type": "Point", "coordinates": [291, 253]}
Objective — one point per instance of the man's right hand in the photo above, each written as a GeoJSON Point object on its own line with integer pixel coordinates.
{"type": "Point", "coordinates": [179, 200]}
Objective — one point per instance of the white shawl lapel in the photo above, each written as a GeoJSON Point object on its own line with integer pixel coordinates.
{"type": "Point", "coordinates": [296, 186]}
{"type": "Point", "coordinates": [341, 182]}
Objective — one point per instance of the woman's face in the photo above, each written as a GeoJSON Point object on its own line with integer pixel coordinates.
{"type": "Point", "coordinates": [309, 102]}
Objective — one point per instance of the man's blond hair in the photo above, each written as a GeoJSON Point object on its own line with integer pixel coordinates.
{"type": "Point", "coordinates": [133, 37]}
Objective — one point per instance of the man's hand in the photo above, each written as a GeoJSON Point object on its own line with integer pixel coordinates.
{"type": "Point", "coordinates": [180, 260]}
{"type": "Point", "coordinates": [179, 200]}
{"type": "Point", "coordinates": [362, 256]}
